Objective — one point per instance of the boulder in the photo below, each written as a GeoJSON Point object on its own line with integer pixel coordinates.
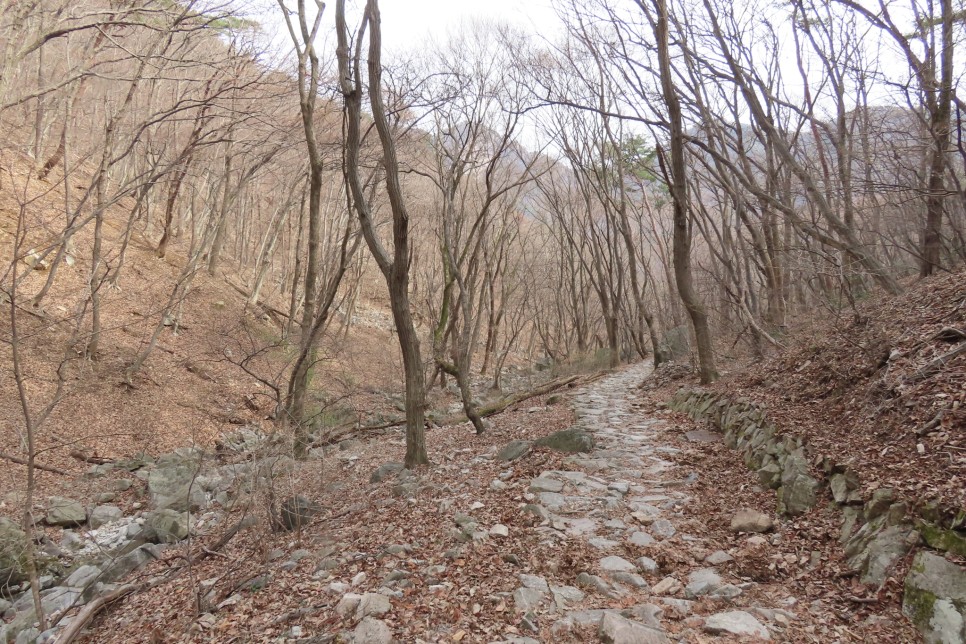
{"type": "Point", "coordinates": [168, 526]}
{"type": "Point", "coordinates": [297, 511]}
{"type": "Point", "coordinates": [13, 552]}
{"type": "Point", "coordinates": [384, 471]}
{"type": "Point", "coordinates": [616, 564]}
{"type": "Point", "coordinates": [514, 450]}
{"type": "Point", "coordinates": [747, 520]}
{"type": "Point", "coordinates": [569, 441]}
{"type": "Point", "coordinates": [935, 599]}
{"type": "Point", "coordinates": [65, 512]}
{"type": "Point", "coordinates": [104, 514]}
{"type": "Point", "coordinates": [173, 487]}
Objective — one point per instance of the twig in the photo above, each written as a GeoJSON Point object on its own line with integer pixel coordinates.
{"type": "Point", "coordinates": [936, 365]}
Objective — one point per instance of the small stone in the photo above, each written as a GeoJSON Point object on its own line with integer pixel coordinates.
{"type": "Point", "coordinates": [667, 586]}
{"type": "Point", "coordinates": [641, 539]}
{"type": "Point", "coordinates": [564, 596]}
{"type": "Point", "coordinates": [500, 530]}
{"type": "Point", "coordinates": [748, 520]}
{"type": "Point", "coordinates": [736, 622]}
{"type": "Point", "coordinates": [647, 565]}
{"type": "Point", "coordinates": [497, 485]}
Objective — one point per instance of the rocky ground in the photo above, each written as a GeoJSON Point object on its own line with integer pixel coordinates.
{"type": "Point", "coordinates": [608, 519]}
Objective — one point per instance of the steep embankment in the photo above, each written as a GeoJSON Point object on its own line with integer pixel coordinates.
{"type": "Point", "coordinates": [191, 388]}
{"type": "Point", "coordinates": [860, 428]}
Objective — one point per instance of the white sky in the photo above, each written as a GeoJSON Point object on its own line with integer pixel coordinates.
{"type": "Point", "coordinates": [406, 23]}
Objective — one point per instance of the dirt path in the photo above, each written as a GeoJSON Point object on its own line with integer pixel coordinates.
{"type": "Point", "coordinates": [658, 579]}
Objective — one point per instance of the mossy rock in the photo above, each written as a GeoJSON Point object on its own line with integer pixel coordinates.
{"type": "Point", "coordinates": [13, 553]}
{"type": "Point", "coordinates": [942, 538]}
{"type": "Point", "coordinates": [935, 599]}
{"type": "Point", "coordinates": [568, 441]}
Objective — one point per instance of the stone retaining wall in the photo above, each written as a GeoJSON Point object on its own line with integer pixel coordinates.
{"type": "Point", "coordinates": [877, 532]}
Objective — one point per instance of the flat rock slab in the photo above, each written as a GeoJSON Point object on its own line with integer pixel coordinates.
{"type": "Point", "coordinates": [615, 629]}
{"type": "Point", "coordinates": [736, 622]}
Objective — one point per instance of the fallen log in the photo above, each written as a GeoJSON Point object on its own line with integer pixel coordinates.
{"type": "Point", "coordinates": [497, 407]}
{"type": "Point", "coordinates": [90, 611]}
{"type": "Point", "coordinates": [39, 466]}
{"type": "Point", "coordinates": [93, 460]}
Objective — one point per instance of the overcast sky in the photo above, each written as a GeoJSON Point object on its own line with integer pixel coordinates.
{"type": "Point", "coordinates": [407, 22]}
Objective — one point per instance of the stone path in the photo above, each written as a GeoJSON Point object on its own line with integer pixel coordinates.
{"type": "Point", "coordinates": [623, 499]}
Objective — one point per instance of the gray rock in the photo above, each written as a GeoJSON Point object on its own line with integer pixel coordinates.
{"type": "Point", "coordinates": [296, 512]}
{"type": "Point", "coordinates": [554, 501]}
{"type": "Point", "coordinates": [546, 485]}
{"type": "Point", "coordinates": [348, 604]}
{"type": "Point", "coordinates": [876, 547]}
{"type": "Point", "coordinates": [935, 599]}
{"type": "Point", "coordinates": [372, 631]}
{"type": "Point", "coordinates": [718, 557]}
{"type": "Point", "coordinates": [13, 549]}
{"type": "Point", "coordinates": [647, 565]}
{"type": "Point", "coordinates": [514, 450]}
{"type": "Point", "coordinates": [603, 544]}
{"type": "Point", "coordinates": [104, 514]}
{"type": "Point", "coordinates": [565, 596]}
{"type": "Point", "coordinates": [770, 476]}
{"type": "Point", "coordinates": [373, 605]}
{"type": "Point", "coordinates": [83, 577]}
{"type": "Point", "coordinates": [879, 503]}
{"type": "Point", "coordinates": [123, 566]}
{"type": "Point", "coordinates": [616, 564]}
{"type": "Point", "coordinates": [843, 485]}
{"type": "Point", "coordinates": [748, 520]}
{"type": "Point", "coordinates": [526, 599]}
{"type": "Point", "coordinates": [630, 578]}
{"type": "Point", "coordinates": [641, 539]}
{"type": "Point", "coordinates": [593, 582]}
{"type": "Point", "coordinates": [168, 525]}
{"type": "Point", "coordinates": [122, 485]}
{"type": "Point", "coordinates": [736, 622]}
{"type": "Point", "coordinates": [384, 471]}
{"type": "Point", "coordinates": [173, 485]}
{"type": "Point", "coordinates": [663, 529]}
{"type": "Point", "coordinates": [65, 512]}
{"type": "Point", "coordinates": [797, 494]}
{"type": "Point", "coordinates": [702, 582]}
{"type": "Point", "coordinates": [537, 510]}
{"type": "Point", "coordinates": [534, 582]}
{"type": "Point", "coordinates": [569, 441]}
{"type": "Point", "coordinates": [615, 629]}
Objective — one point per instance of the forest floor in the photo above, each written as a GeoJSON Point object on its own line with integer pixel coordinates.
{"type": "Point", "coordinates": [633, 537]}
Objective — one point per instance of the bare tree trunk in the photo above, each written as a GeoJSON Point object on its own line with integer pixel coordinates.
{"type": "Point", "coordinates": [677, 183]}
